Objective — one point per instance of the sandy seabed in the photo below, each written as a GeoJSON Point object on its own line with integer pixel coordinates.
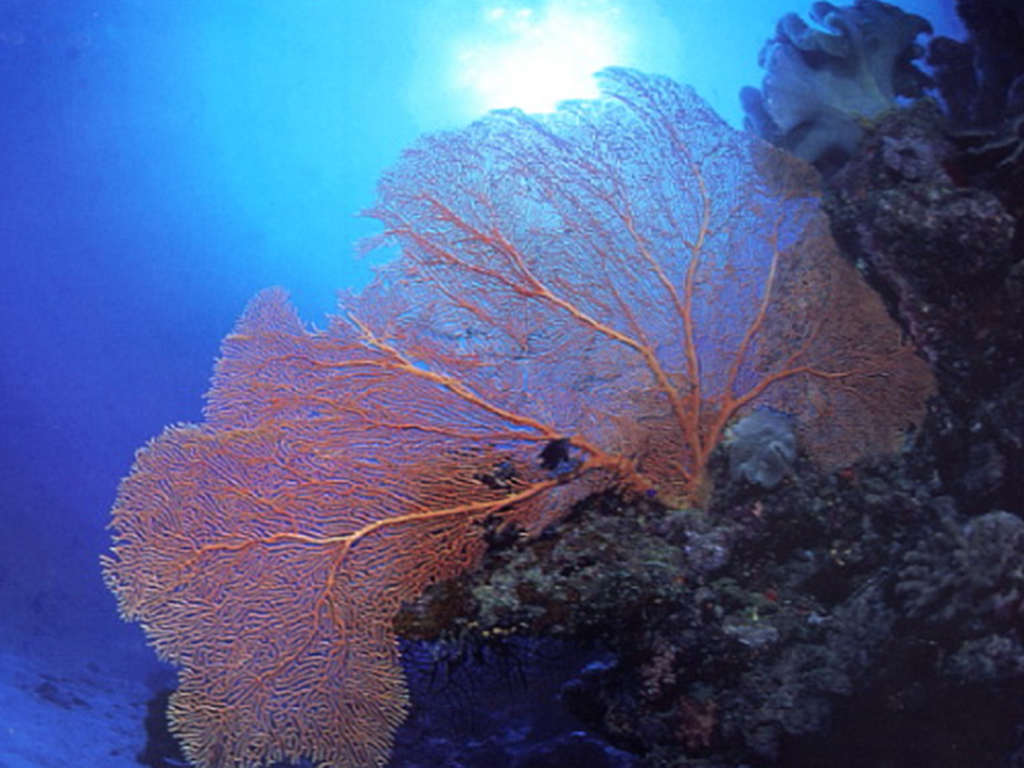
{"type": "Point", "coordinates": [78, 716]}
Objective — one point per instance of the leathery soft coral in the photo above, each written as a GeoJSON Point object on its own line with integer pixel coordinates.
{"type": "Point", "coordinates": [822, 82]}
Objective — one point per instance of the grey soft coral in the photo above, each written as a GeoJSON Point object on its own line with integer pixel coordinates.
{"type": "Point", "coordinates": [822, 82]}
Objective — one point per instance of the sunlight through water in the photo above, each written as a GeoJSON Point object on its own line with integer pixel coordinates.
{"type": "Point", "coordinates": [534, 57]}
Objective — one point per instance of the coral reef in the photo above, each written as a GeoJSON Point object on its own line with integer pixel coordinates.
{"type": "Point", "coordinates": [981, 84]}
{"type": "Point", "coordinates": [747, 632]}
{"type": "Point", "coordinates": [865, 615]}
{"type": "Point", "coordinates": [982, 78]}
{"type": "Point", "coordinates": [967, 577]}
{"type": "Point", "coordinates": [868, 616]}
{"type": "Point", "coordinates": [947, 258]}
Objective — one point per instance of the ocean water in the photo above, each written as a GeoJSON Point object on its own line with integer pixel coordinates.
{"type": "Point", "coordinates": [160, 162]}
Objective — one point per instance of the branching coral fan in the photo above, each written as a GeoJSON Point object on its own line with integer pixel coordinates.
{"type": "Point", "coordinates": [583, 300]}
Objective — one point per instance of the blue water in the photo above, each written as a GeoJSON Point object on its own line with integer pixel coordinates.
{"type": "Point", "coordinates": [162, 161]}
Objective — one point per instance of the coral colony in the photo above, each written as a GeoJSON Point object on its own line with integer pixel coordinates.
{"type": "Point", "coordinates": [823, 83]}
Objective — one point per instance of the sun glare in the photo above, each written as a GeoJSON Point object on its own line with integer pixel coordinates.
{"type": "Point", "coordinates": [534, 56]}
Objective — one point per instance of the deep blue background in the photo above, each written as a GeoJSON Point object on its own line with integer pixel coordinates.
{"type": "Point", "coordinates": [160, 161]}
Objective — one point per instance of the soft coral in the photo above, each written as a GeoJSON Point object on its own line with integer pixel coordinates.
{"type": "Point", "coordinates": [822, 82]}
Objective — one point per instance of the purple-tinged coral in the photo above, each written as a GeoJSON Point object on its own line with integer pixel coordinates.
{"type": "Point", "coordinates": [981, 83]}
{"type": "Point", "coordinates": [821, 82]}
{"type": "Point", "coordinates": [761, 448]}
{"type": "Point", "coordinates": [968, 577]}
{"type": "Point", "coordinates": [982, 80]}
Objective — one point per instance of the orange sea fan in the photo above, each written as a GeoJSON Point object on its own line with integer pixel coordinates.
{"type": "Point", "coordinates": [583, 300]}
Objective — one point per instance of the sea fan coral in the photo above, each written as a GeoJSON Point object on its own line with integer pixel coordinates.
{"type": "Point", "coordinates": [583, 302]}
